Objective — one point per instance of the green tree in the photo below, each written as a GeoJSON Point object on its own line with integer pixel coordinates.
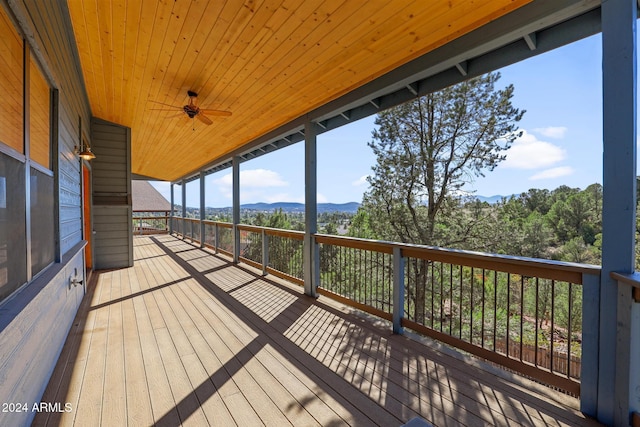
{"type": "Point", "coordinates": [361, 225]}
{"type": "Point", "coordinates": [426, 150]}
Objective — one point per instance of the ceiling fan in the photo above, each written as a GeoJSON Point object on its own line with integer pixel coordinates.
{"type": "Point", "coordinates": [193, 111]}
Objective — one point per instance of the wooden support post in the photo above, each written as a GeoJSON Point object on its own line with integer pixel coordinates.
{"type": "Point", "coordinates": [398, 290]}
{"type": "Point", "coordinates": [590, 340]}
{"type": "Point", "coordinates": [172, 208]}
{"type": "Point", "coordinates": [236, 208]}
{"type": "Point", "coordinates": [216, 239]}
{"type": "Point", "coordinates": [184, 209]}
{"type": "Point", "coordinates": [619, 208]}
{"type": "Point", "coordinates": [265, 252]}
{"type": "Point", "coordinates": [202, 207]}
{"type": "Point", "coordinates": [310, 252]}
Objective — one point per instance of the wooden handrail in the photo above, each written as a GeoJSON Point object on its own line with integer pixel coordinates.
{"type": "Point", "coordinates": [150, 217]}
{"type": "Point", "coordinates": [219, 223]}
{"type": "Point", "coordinates": [549, 269]}
{"type": "Point", "coordinates": [630, 279]}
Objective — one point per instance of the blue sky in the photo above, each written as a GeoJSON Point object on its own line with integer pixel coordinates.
{"type": "Point", "coordinates": [562, 141]}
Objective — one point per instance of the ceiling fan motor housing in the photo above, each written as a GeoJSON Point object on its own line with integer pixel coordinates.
{"type": "Point", "coordinates": [190, 110]}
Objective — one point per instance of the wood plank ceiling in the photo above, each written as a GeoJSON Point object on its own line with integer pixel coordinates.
{"type": "Point", "coordinates": [267, 62]}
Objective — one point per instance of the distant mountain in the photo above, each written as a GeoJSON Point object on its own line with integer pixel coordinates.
{"type": "Point", "coordinates": [285, 206]}
{"type": "Point", "coordinates": [491, 199]}
{"type": "Point", "coordinates": [351, 207]}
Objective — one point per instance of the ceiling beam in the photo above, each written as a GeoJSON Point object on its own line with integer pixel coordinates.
{"type": "Point", "coordinates": [530, 39]}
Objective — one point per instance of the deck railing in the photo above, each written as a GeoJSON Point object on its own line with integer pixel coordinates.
{"type": "Point", "coordinates": [150, 223]}
{"type": "Point", "coordinates": [521, 313]}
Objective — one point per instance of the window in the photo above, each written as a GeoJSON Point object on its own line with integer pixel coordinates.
{"type": "Point", "coordinates": [25, 166]}
{"type": "Point", "coordinates": [42, 226]}
{"type": "Point", "coordinates": [11, 85]}
{"type": "Point", "coordinates": [13, 251]}
{"type": "Point", "coordinates": [39, 122]}
{"type": "Point", "coordinates": [41, 204]}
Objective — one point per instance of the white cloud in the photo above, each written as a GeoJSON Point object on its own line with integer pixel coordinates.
{"type": "Point", "coordinates": [553, 173]}
{"type": "Point", "coordinates": [254, 178]}
{"type": "Point", "coordinates": [528, 152]}
{"type": "Point", "coordinates": [360, 181]}
{"type": "Point", "coordinates": [556, 132]}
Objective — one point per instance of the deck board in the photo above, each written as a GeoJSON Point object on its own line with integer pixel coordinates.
{"type": "Point", "coordinates": [185, 337]}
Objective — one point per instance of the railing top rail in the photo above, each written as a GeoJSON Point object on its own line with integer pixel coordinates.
{"type": "Point", "coordinates": [524, 266]}
{"type": "Point", "coordinates": [294, 234]}
{"type": "Point", "coordinates": [631, 279]}
{"type": "Point", "coordinates": [550, 269]}
{"type": "Point", "coordinates": [219, 223]}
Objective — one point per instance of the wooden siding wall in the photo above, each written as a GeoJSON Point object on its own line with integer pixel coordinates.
{"type": "Point", "coordinates": [112, 215]}
{"type": "Point", "coordinates": [35, 322]}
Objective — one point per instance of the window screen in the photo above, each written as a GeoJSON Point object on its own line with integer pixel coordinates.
{"type": "Point", "coordinates": [42, 226]}
{"type": "Point", "coordinates": [13, 247]}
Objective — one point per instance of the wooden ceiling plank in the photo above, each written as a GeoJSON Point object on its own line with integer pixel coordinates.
{"type": "Point", "coordinates": [106, 30]}
{"type": "Point", "coordinates": [282, 51]}
{"type": "Point", "coordinates": [170, 52]}
{"type": "Point", "coordinates": [130, 48]}
{"type": "Point", "coordinates": [465, 19]}
{"type": "Point", "coordinates": [199, 159]}
{"type": "Point", "coordinates": [88, 41]}
{"type": "Point", "coordinates": [140, 33]}
{"type": "Point", "coordinates": [242, 19]}
{"type": "Point", "coordinates": [304, 56]}
{"type": "Point", "coordinates": [188, 78]}
{"type": "Point", "coordinates": [250, 72]}
{"type": "Point", "coordinates": [196, 47]}
{"type": "Point", "coordinates": [280, 84]}
{"type": "Point", "coordinates": [160, 134]}
{"type": "Point", "coordinates": [204, 46]}
{"type": "Point", "coordinates": [327, 68]}
{"type": "Point", "coordinates": [243, 40]}
{"type": "Point", "coordinates": [119, 21]}
{"type": "Point", "coordinates": [176, 43]}
{"type": "Point", "coordinates": [268, 62]}
{"type": "Point", "coordinates": [322, 75]}
{"type": "Point", "coordinates": [159, 24]}
{"type": "Point", "coordinates": [233, 65]}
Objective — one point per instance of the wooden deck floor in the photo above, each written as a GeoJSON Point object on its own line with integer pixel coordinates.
{"type": "Point", "coordinates": [185, 337]}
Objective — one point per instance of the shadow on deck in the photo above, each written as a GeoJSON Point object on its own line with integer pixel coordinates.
{"type": "Point", "coordinates": [187, 337]}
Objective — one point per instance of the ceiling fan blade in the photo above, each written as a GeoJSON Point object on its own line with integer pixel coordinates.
{"type": "Point", "coordinates": [168, 105]}
{"type": "Point", "coordinates": [204, 119]}
{"type": "Point", "coordinates": [163, 109]}
{"type": "Point", "coordinates": [218, 113]}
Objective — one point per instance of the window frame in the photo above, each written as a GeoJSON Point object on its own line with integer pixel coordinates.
{"type": "Point", "coordinates": [29, 59]}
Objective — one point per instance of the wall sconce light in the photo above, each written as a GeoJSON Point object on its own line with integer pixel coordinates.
{"type": "Point", "coordinates": [84, 151]}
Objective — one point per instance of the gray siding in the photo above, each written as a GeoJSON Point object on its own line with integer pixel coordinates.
{"type": "Point", "coordinates": [34, 323]}
{"type": "Point", "coordinates": [111, 187]}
